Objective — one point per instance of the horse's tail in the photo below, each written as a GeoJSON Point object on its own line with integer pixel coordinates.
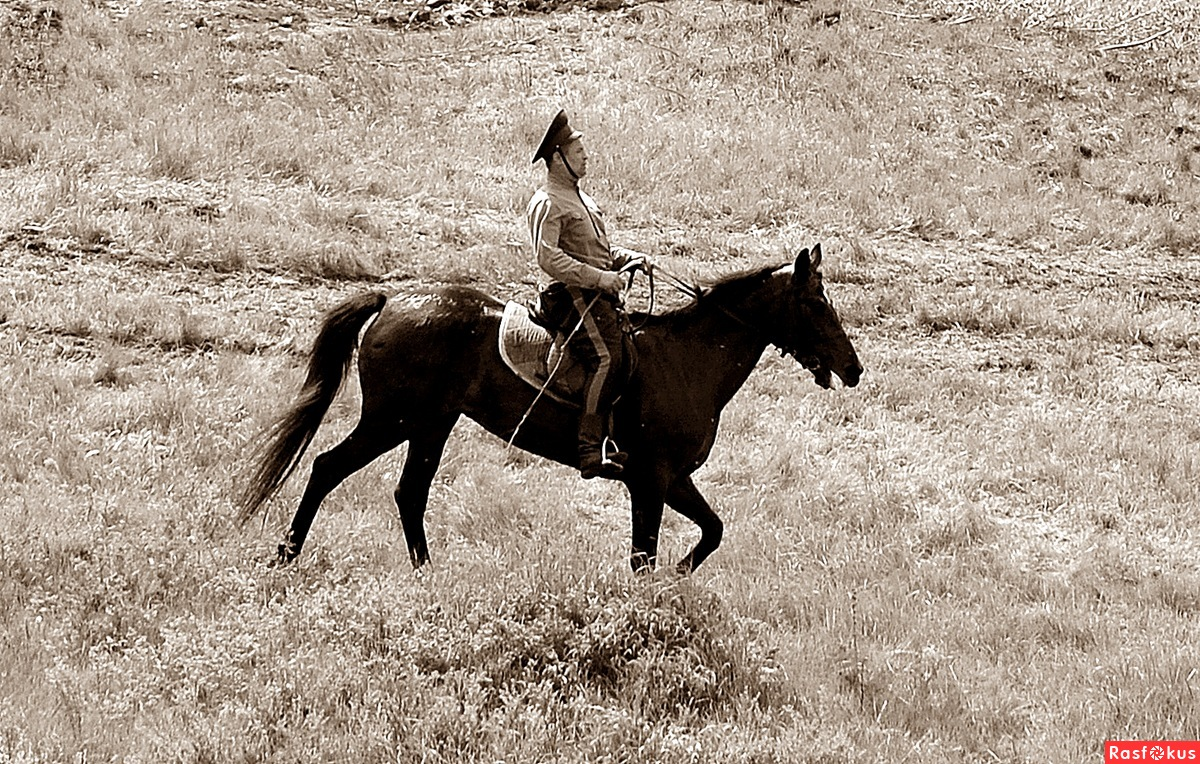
{"type": "Point", "coordinates": [284, 442]}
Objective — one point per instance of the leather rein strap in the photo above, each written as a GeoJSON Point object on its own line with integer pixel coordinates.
{"type": "Point", "coordinates": [696, 293]}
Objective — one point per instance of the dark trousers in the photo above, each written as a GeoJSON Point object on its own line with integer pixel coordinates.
{"type": "Point", "coordinates": [597, 344]}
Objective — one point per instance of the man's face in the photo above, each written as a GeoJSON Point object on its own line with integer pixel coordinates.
{"type": "Point", "coordinates": [576, 156]}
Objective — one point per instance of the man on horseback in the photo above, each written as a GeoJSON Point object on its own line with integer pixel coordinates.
{"type": "Point", "coordinates": [583, 301]}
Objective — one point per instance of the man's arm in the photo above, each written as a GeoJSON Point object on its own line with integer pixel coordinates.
{"type": "Point", "coordinates": [544, 227]}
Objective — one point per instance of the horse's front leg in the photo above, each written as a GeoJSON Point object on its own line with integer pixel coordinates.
{"type": "Point", "coordinates": [686, 499]}
{"type": "Point", "coordinates": [647, 507]}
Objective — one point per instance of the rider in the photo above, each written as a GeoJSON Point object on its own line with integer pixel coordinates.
{"type": "Point", "coordinates": [566, 229]}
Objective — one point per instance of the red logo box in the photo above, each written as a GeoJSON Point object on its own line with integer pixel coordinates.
{"type": "Point", "coordinates": [1153, 751]}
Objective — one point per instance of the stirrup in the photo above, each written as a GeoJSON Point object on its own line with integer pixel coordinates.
{"type": "Point", "coordinates": [611, 452]}
{"type": "Point", "coordinates": [603, 465]}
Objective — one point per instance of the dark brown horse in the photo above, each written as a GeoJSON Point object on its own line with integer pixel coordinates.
{"type": "Point", "coordinates": [431, 357]}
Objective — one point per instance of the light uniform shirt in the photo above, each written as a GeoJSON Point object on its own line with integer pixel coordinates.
{"type": "Point", "coordinates": [566, 229]}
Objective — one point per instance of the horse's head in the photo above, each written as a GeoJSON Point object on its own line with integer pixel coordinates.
{"type": "Point", "coordinates": [812, 332]}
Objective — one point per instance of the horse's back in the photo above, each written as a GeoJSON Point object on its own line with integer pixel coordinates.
{"type": "Point", "coordinates": [417, 312]}
{"type": "Point", "coordinates": [427, 337]}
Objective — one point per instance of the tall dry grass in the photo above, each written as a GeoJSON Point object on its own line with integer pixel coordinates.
{"type": "Point", "coordinates": [982, 553]}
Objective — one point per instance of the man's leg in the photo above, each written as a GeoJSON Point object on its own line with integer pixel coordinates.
{"type": "Point", "coordinates": [598, 346]}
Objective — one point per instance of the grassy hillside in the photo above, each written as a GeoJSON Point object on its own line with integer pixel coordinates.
{"type": "Point", "coordinates": [984, 552]}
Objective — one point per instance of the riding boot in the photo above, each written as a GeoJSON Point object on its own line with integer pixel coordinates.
{"type": "Point", "coordinates": [593, 461]}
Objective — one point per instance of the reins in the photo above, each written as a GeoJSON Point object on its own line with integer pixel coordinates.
{"type": "Point", "coordinates": [696, 293]}
{"type": "Point", "coordinates": [635, 328]}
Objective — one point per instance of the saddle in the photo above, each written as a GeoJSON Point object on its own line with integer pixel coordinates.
{"type": "Point", "coordinates": [534, 354]}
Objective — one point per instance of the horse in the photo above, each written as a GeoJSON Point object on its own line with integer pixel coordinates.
{"type": "Point", "coordinates": [431, 356]}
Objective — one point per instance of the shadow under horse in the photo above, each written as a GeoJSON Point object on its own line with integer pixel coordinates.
{"type": "Point", "coordinates": [432, 357]}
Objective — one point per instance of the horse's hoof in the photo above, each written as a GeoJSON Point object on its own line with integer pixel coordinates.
{"type": "Point", "coordinates": [282, 556]}
{"type": "Point", "coordinates": [642, 564]}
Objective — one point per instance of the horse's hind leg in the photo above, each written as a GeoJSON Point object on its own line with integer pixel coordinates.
{"type": "Point", "coordinates": [370, 439]}
{"type": "Point", "coordinates": [412, 493]}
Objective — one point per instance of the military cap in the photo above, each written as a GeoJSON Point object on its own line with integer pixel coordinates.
{"type": "Point", "coordinates": [559, 134]}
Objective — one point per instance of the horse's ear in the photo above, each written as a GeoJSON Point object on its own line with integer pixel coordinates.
{"type": "Point", "coordinates": [802, 267]}
{"type": "Point", "coordinates": [816, 256]}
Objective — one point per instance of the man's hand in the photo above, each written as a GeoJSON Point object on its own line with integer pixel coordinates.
{"type": "Point", "coordinates": [611, 282]}
{"type": "Point", "coordinates": [637, 261]}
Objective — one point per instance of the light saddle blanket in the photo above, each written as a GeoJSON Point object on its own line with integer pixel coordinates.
{"type": "Point", "coordinates": [532, 353]}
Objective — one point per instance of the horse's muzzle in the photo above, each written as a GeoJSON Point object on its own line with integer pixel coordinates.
{"type": "Point", "coordinates": [852, 374]}
{"type": "Point", "coordinates": [823, 375]}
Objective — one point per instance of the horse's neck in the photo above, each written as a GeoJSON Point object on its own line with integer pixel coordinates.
{"type": "Point", "coordinates": [724, 342]}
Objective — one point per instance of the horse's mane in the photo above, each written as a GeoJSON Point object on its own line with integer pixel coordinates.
{"type": "Point", "coordinates": [726, 288]}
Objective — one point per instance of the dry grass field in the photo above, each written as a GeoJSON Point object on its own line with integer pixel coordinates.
{"type": "Point", "coordinates": [985, 552]}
